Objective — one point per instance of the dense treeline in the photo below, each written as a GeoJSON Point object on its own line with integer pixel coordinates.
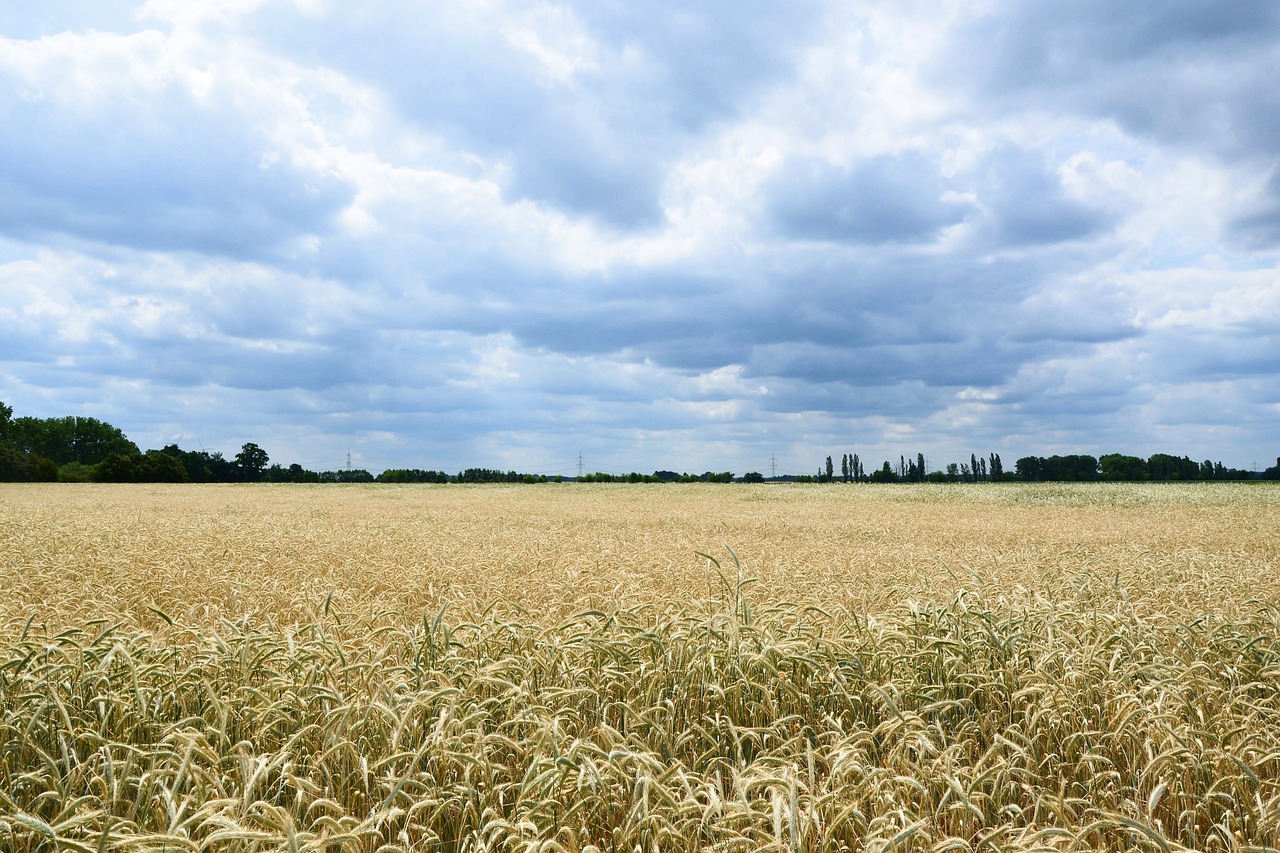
{"type": "Point", "coordinates": [76, 449]}
{"type": "Point", "coordinates": [1118, 467]}
{"type": "Point", "coordinates": [1114, 467]}
{"type": "Point", "coordinates": [661, 477]}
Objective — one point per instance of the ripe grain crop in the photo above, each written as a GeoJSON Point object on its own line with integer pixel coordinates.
{"type": "Point", "coordinates": [577, 667]}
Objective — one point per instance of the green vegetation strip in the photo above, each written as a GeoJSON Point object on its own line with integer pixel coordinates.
{"type": "Point", "coordinates": [961, 727]}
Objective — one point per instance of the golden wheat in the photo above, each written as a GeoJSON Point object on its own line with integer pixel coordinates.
{"type": "Point", "coordinates": [558, 668]}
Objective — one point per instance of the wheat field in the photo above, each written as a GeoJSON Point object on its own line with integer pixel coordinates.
{"type": "Point", "coordinates": [641, 667]}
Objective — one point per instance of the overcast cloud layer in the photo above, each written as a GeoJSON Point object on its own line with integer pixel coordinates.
{"type": "Point", "coordinates": [661, 235]}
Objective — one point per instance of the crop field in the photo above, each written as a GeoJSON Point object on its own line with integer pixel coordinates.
{"type": "Point", "coordinates": [640, 668]}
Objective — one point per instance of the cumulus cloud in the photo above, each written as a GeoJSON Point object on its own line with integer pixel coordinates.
{"type": "Point", "coordinates": [1190, 76]}
{"type": "Point", "coordinates": [1027, 204]}
{"type": "Point", "coordinates": [584, 108]}
{"type": "Point", "coordinates": [444, 235]}
{"type": "Point", "coordinates": [111, 139]}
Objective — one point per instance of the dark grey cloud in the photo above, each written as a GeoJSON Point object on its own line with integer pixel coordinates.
{"type": "Point", "coordinates": [597, 144]}
{"type": "Point", "coordinates": [1066, 404]}
{"type": "Point", "coordinates": [1155, 68]}
{"type": "Point", "coordinates": [186, 363]}
{"type": "Point", "coordinates": [1257, 227]}
{"type": "Point", "coordinates": [892, 198]}
{"type": "Point", "coordinates": [705, 65]}
{"type": "Point", "coordinates": [852, 405]}
{"type": "Point", "coordinates": [939, 364]}
{"type": "Point", "coordinates": [1196, 76]}
{"type": "Point", "coordinates": [159, 172]}
{"type": "Point", "coordinates": [674, 316]}
{"type": "Point", "coordinates": [864, 298]}
{"type": "Point", "coordinates": [1027, 204]}
{"type": "Point", "coordinates": [1192, 355]}
{"type": "Point", "coordinates": [1012, 197]}
{"type": "Point", "coordinates": [1063, 41]}
{"type": "Point", "coordinates": [875, 317]}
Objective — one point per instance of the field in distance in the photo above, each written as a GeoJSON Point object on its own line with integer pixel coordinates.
{"type": "Point", "coordinates": [201, 554]}
{"type": "Point", "coordinates": [562, 667]}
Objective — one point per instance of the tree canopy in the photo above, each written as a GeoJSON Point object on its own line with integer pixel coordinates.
{"type": "Point", "coordinates": [70, 439]}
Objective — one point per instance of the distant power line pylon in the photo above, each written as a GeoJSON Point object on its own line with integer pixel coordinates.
{"type": "Point", "coordinates": [773, 466]}
{"type": "Point", "coordinates": [579, 465]}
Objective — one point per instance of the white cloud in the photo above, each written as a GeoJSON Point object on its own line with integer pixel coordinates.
{"type": "Point", "coordinates": [181, 15]}
{"type": "Point", "coordinates": [439, 230]}
{"type": "Point", "coordinates": [555, 37]}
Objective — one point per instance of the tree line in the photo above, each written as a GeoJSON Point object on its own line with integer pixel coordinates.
{"type": "Point", "coordinates": [81, 449]}
{"type": "Point", "coordinates": [1112, 467]}
{"type": "Point", "coordinates": [661, 477]}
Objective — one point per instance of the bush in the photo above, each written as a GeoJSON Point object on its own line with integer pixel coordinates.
{"type": "Point", "coordinates": [76, 472]}
{"type": "Point", "coordinates": [19, 467]}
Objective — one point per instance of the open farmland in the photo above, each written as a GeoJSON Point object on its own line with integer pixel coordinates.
{"type": "Point", "coordinates": [1007, 667]}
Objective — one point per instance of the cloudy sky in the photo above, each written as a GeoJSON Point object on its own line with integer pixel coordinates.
{"type": "Point", "coordinates": [698, 236]}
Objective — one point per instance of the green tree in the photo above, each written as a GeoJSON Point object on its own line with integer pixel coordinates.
{"type": "Point", "coordinates": [347, 475]}
{"type": "Point", "coordinates": [412, 475]}
{"type": "Point", "coordinates": [251, 461]}
{"type": "Point", "coordinates": [195, 462]}
{"type": "Point", "coordinates": [884, 475]}
{"type": "Point", "coordinates": [295, 473]}
{"type": "Point", "coordinates": [997, 467]}
{"type": "Point", "coordinates": [154, 466]}
{"type": "Point", "coordinates": [1029, 468]}
{"type": "Point", "coordinates": [1073, 468]}
{"type": "Point", "coordinates": [17, 465]}
{"type": "Point", "coordinates": [77, 472]}
{"type": "Point", "coordinates": [70, 439]}
{"type": "Point", "coordinates": [1117, 466]}
{"type": "Point", "coordinates": [1166, 466]}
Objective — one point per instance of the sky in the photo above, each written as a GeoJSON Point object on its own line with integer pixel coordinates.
{"type": "Point", "coordinates": [689, 236]}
